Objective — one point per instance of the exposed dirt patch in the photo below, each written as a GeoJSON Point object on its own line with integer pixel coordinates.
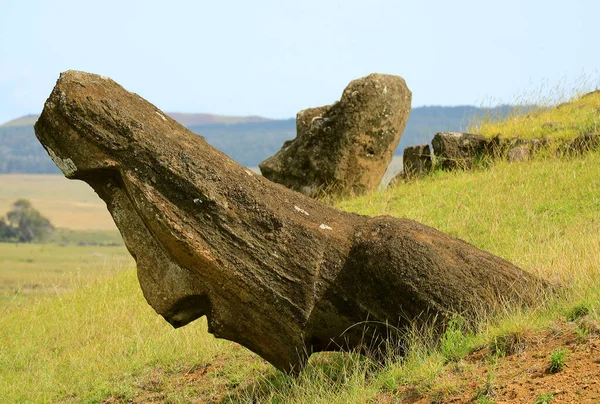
{"type": "Point", "coordinates": [210, 382]}
{"type": "Point", "coordinates": [525, 376]}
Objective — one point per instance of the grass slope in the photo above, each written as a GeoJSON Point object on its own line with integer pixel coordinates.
{"type": "Point", "coordinates": [565, 121]}
{"type": "Point", "coordinates": [102, 343]}
{"type": "Point", "coordinates": [98, 342]}
{"type": "Point", "coordinates": [534, 214]}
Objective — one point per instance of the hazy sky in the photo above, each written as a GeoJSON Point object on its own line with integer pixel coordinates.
{"type": "Point", "coordinates": [274, 58]}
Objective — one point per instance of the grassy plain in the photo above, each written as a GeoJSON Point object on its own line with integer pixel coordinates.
{"type": "Point", "coordinates": [69, 204]}
{"type": "Point", "coordinates": [31, 271]}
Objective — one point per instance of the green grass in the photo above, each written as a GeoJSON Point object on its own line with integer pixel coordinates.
{"type": "Point", "coordinates": [31, 271]}
{"type": "Point", "coordinates": [454, 344]}
{"type": "Point", "coordinates": [104, 342]}
{"type": "Point", "coordinates": [543, 215]}
{"type": "Point", "coordinates": [544, 398]}
{"type": "Point", "coordinates": [64, 236]}
{"type": "Point", "coordinates": [557, 360]}
{"type": "Point", "coordinates": [577, 311]}
{"type": "Point", "coordinates": [485, 393]}
{"type": "Point", "coordinates": [580, 116]}
{"type": "Point", "coordinates": [97, 342]}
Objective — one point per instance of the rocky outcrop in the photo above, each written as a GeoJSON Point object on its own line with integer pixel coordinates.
{"type": "Point", "coordinates": [278, 272]}
{"type": "Point", "coordinates": [416, 161]}
{"type": "Point", "coordinates": [345, 147]}
{"type": "Point", "coordinates": [455, 150]}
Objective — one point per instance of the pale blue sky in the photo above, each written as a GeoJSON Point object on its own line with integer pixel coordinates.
{"type": "Point", "coordinates": [274, 58]}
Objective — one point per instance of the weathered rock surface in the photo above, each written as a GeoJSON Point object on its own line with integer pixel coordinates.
{"type": "Point", "coordinates": [273, 270]}
{"type": "Point", "coordinates": [345, 147]}
{"type": "Point", "coordinates": [455, 150]}
{"type": "Point", "coordinates": [416, 160]}
{"type": "Point", "coordinates": [519, 153]}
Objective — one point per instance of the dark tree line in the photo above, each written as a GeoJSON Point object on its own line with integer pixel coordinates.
{"type": "Point", "coordinates": [25, 224]}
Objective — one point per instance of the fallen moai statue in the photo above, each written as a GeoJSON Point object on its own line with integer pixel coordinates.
{"type": "Point", "coordinates": [274, 270]}
{"type": "Point", "coordinates": [344, 148]}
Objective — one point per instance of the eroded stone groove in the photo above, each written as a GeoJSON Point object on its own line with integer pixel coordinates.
{"type": "Point", "coordinates": [272, 269]}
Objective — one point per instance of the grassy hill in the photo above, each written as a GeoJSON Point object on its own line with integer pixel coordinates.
{"type": "Point", "coordinates": [103, 343]}
{"type": "Point", "coordinates": [568, 120]}
{"type": "Point", "coordinates": [86, 246]}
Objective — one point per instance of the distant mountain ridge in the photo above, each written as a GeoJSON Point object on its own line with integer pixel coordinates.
{"type": "Point", "coordinates": [25, 120]}
{"type": "Point", "coordinates": [186, 119]}
{"type": "Point", "coordinates": [211, 119]}
{"type": "Point", "coordinates": [246, 139]}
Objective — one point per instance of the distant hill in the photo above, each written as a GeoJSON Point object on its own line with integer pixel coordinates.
{"type": "Point", "coordinates": [248, 140]}
{"type": "Point", "coordinates": [27, 120]}
{"type": "Point", "coordinates": [182, 118]}
{"type": "Point", "coordinates": [209, 119]}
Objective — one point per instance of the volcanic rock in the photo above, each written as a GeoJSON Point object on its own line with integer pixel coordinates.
{"type": "Point", "coordinates": [517, 154]}
{"type": "Point", "coordinates": [345, 147]}
{"type": "Point", "coordinates": [416, 160]}
{"type": "Point", "coordinates": [459, 150]}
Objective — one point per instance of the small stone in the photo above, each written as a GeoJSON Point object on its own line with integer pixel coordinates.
{"type": "Point", "coordinates": [417, 160]}
{"type": "Point", "coordinates": [517, 154]}
{"type": "Point", "coordinates": [298, 209]}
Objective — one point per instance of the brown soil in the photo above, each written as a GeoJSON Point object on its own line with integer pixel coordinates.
{"type": "Point", "coordinates": [210, 382]}
{"type": "Point", "coordinates": [518, 378]}
{"type": "Point", "coordinates": [524, 376]}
